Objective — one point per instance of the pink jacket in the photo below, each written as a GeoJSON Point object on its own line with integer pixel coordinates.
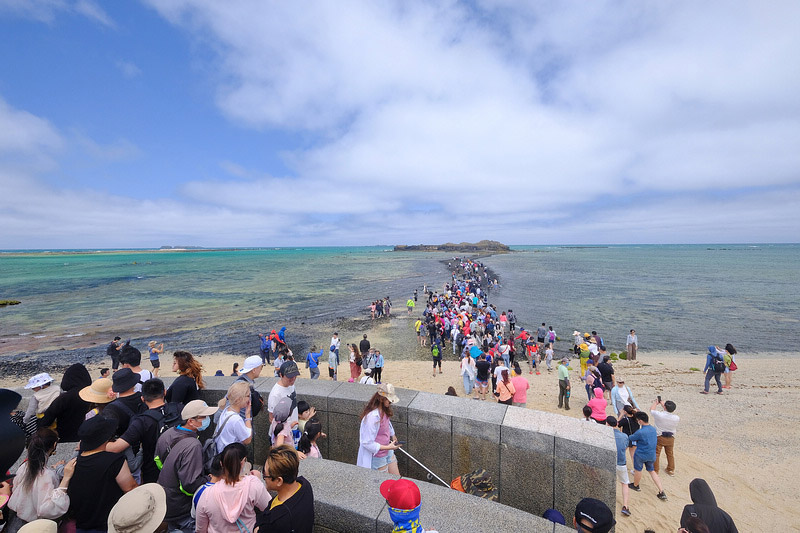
{"type": "Point", "coordinates": [598, 405]}
{"type": "Point", "coordinates": [222, 504]}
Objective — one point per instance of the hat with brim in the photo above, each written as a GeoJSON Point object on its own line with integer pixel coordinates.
{"type": "Point", "coordinates": [140, 510]}
{"type": "Point", "coordinates": [197, 408]}
{"type": "Point", "coordinates": [95, 431]}
{"type": "Point", "coordinates": [97, 392]}
{"type": "Point", "coordinates": [41, 525]}
{"type": "Point", "coordinates": [125, 379]}
{"type": "Point", "coordinates": [39, 380]}
{"type": "Point", "coordinates": [387, 391]}
{"type": "Point", "coordinates": [282, 410]}
{"type": "Point", "coordinates": [251, 363]}
{"type": "Point", "coordinates": [479, 483]}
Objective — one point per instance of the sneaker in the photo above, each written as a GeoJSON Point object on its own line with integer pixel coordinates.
{"type": "Point", "coordinates": [626, 511]}
{"type": "Point", "coordinates": [662, 496]}
{"type": "Point", "coordinates": [531, 372]}
{"type": "Point", "coordinates": [634, 487]}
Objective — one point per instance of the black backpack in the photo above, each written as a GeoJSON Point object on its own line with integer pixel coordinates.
{"type": "Point", "coordinates": [719, 363]}
{"type": "Point", "coordinates": [167, 416]}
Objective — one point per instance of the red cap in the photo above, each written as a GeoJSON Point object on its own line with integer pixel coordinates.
{"type": "Point", "coordinates": [401, 493]}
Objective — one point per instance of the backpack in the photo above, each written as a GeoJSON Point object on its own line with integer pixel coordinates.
{"type": "Point", "coordinates": [435, 350]}
{"type": "Point", "coordinates": [167, 416]}
{"type": "Point", "coordinates": [210, 445]}
{"type": "Point", "coordinates": [719, 363]}
{"type": "Point", "coordinates": [256, 400]}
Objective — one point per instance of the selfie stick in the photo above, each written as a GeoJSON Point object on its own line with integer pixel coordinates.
{"type": "Point", "coordinates": [430, 473]}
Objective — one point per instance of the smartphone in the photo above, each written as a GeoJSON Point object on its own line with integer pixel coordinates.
{"type": "Point", "coordinates": [400, 442]}
{"type": "Point", "coordinates": [659, 399]}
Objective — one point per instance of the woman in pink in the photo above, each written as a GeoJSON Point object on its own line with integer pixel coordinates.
{"type": "Point", "coordinates": [521, 387]}
{"type": "Point", "coordinates": [228, 506]}
{"type": "Point", "coordinates": [376, 435]}
{"type": "Point", "coordinates": [598, 405]}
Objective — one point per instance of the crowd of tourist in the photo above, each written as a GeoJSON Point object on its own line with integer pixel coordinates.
{"type": "Point", "coordinates": [140, 464]}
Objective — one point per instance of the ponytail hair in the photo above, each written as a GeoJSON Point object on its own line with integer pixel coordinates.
{"type": "Point", "coordinates": [231, 458]}
{"type": "Point", "coordinates": [38, 452]}
{"type": "Point", "coordinates": [313, 428]}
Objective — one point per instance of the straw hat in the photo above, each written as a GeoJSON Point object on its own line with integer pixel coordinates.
{"type": "Point", "coordinates": [97, 392]}
{"type": "Point", "coordinates": [39, 526]}
{"type": "Point", "coordinates": [141, 510]}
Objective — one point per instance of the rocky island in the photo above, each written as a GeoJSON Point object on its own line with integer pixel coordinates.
{"type": "Point", "coordinates": [481, 246]}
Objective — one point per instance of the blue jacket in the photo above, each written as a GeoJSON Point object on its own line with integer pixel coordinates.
{"type": "Point", "coordinates": [712, 354]}
{"type": "Point", "coordinates": [313, 359]}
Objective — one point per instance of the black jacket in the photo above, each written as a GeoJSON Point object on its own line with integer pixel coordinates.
{"type": "Point", "coordinates": [294, 515]}
{"type": "Point", "coordinates": [705, 508]}
{"type": "Point", "coordinates": [69, 410]}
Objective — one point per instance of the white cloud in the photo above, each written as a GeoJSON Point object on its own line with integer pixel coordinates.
{"type": "Point", "coordinates": [47, 10]}
{"type": "Point", "coordinates": [418, 99]}
{"type": "Point", "coordinates": [525, 122]}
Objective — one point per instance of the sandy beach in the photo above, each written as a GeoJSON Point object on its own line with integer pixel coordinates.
{"type": "Point", "coordinates": [734, 441]}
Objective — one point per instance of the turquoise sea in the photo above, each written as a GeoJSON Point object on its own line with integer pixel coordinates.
{"type": "Point", "coordinates": [680, 297]}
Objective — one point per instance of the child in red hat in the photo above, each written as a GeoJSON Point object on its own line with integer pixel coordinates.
{"type": "Point", "coordinates": [403, 498]}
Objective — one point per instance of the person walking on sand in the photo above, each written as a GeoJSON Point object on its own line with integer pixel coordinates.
{"type": "Point", "coordinates": [633, 345]}
{"type": "Point", "coordinates": [364, 345]}
{"type": "Point", "coordinates": [621, 440]}
{"type": "Point", "coordinates": [377, 371]}
{"type": "Point", "coordinates": [155, 351]}
{"type": "Point", "coordinates": [666, 423]}
{"type": "Point", "coordinates": [563, 384]}
{"type": "Point", "coordinates": [312, 362]}
{"type": "Point", "coordinates": [645, 440]}
{"type": "Point", "coordinates": [355, 362]}
{"type": "Point", "coordinates": [333, 364]}
{"type": "Point", "coordinates": [715, 365]}
{"type": "Point", "coordinates": [468, 371]}
{"type": "Point", "coordinates": [730, 364]}
{"type": "Point", "coordinates": [410, 306]}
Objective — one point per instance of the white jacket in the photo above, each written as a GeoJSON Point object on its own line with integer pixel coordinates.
{"type": "Point", "coordinates": [367, 434]}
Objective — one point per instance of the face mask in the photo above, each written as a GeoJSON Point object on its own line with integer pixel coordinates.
{"type": "Point", "coordinates": [205, 424]}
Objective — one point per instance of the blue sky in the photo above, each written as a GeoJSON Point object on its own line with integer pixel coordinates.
{"type": "Point", "coordinates": [253, 123]}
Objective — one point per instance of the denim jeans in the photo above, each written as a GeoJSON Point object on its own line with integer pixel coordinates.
{"type": "Point", "coordinates": [467, 384]}
{"type": "Point", "coordinates": [709, 374]}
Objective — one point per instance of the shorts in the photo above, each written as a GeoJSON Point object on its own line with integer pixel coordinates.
{"type": "Point", "coordinates": [480, 383]}
{"type": "Point", "coordinates": [638, 463]}
{"type": "Point", "coordinates": [622, 474]}
{"type": "Point", "coordinates": [381, 462]}
{"type": "Point", "coordinates": [156, 363]}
